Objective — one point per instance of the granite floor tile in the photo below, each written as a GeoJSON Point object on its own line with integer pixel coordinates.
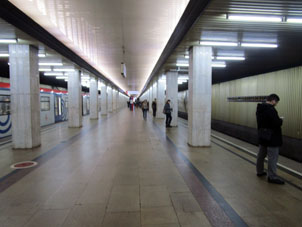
{"type": "Point", "coordinates": [48, 218]}
{"type": "Point", "coordinates": [158, 216]}
{"type": "Point", "coordinates": [126, 219]}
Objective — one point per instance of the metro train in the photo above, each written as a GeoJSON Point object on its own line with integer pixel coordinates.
{"type": "Point", "coordinates": [53, 104]}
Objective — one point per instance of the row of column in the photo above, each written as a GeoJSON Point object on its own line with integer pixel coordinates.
{"type": "Point", "coordinates": [199, 95]}
{"type": "Point", "coordinates": [25, 97]}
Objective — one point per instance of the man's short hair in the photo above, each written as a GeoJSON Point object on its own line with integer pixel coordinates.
{"type": "Point", "coordinates": [272, 97]}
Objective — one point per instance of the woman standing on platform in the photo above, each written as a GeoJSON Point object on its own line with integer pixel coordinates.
{"type": "Point", "coordinates": [167, 111]}
{"type": "Point", "coordinates": [145, 109]}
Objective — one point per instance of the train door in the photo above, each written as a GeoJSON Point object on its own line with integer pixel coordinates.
{"type": "Point", "coordinates": [58, 108]}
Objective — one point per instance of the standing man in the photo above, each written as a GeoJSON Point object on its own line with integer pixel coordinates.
{"type": "Point", "coordinates": [145, 109]}
{"type": "Point", "coordinates": [270, 138]}
{"type": "Point", "coordinates": [154, 107]}
{"type": "Point", "coordinates": [167, 111]}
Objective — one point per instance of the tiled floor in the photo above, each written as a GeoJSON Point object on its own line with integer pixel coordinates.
{"type": "Point", "coordinates": [124, 171]}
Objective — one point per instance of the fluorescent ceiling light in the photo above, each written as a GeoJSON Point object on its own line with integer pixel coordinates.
{"type": "Point", "coordinates": [254, 18]}
{"type": "Point", "coordinates": [63, 70]}
{"type": "Point", "coordinates": [42, 55]}
{"type": "Point", "coordinates": [294, 20]}
{"type": "Point", "coordinates": [51, 63]}
{"type": "Point", "coordinates": [54, 74]}
{"type": "Point", "coordinates": [45, 70]}
{"type": "Point", "coordinates": [213, 43]}
{"type": "Point", "coordinates": [218, 64]}
{"type": "Point", "coordinates": [230, 58]}
{"type": "Point", "coordinates": [182, 64]}
{"type": "Point", "coordinates": [187, 56]}
{"type": "Point", "coordinates": [8, 41]}
{"type": "Point", "coordinates": [4, 55]}
{"type": "Point", "coordinates": [264, 45]}
{"type": "Point", "coordinates": [61, 77]}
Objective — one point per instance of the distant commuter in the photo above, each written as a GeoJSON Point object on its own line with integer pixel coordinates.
{"type": "Point", "coordinates": [154, 107]}
{"type": "Point", "coordinates": [270, 138]}
{"type": "Point", "coordinates": [145, 109]}
{"type": "Point", "coordinates": [167, 111]}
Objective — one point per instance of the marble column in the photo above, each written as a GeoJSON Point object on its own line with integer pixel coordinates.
{"type": "Point", "coordinates": [150, 98]}
{"type": "Point", "coordinates": [104, 99]}
{"type": "Point", "coordinates": [110, 99]}
{"type": "Point", "coordinates": [172, 94]}
{"type": "Point", "coordinates": [94, 93]}
{"type": "Point", "coordinates": [160, 96]}
{"type": "Point", "coordinates": [25, 96]}
{"type": "Point", "coordinates": [113, 100]}
{"type": "Point", "coordinates": [74, 99]}
{"type": "Point", "coordinates": [200, 89]}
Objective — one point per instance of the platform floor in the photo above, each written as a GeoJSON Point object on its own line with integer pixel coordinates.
{"type": "Point", "coordinates": [124, 171]}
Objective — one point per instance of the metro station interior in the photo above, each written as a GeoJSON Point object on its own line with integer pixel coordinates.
{"type": "Point", "coordinates": [86, 90]}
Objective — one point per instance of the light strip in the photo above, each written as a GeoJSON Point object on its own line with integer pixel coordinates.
{"type": "Point", "coordinates": [264, 45]}
{"type": "Point", "coordinates": [4, 55]}
{"type": "Point", "coordinates": [294, 20]}
{"type": "Point", "coordinates": [8, 41]}
{"type": "Point", "coordinates": [230, 58]}
{"type": "Point", "coordinates": [182, 64]}
{"type": "Point", "coordinates": [54, 74]}
{"type": "Point", "coordinates": [61, 77]}
{"type": "Point", "coordinates": [51, 63]}
{"type": "Point", "coordinates": [212, 43]}
{"type": "Point", "coordinates": [218, 65]}
{"type": "Point", "coordinates": [44, 70]}
{"type": "Point", "coordinates": [41, 55]}
{"type": "Point", "coordinates": [63, 70]}
{"type": "Point", "coordinates": [187, 57]}
{"type": "Point", "coordinates": [254, 18]}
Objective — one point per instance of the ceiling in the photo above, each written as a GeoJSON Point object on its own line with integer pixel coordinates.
{"type": "Point", "coordinates": [108, 32]}
{"type": "Point", "coordinates": [213, 25]}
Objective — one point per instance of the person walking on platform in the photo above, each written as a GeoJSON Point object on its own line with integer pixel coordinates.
{"type": "Point", "coordinates": [167, 111]}
{"type": "Point", "coordinates": [145, 109]}
{"type": "Point", "coordinates": [270, 138]}
{"type": "Point", "coordinates": [154, 107]}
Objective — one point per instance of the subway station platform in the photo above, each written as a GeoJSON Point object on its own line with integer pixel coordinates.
{"type": "Point", "coordinates": [123, 171]}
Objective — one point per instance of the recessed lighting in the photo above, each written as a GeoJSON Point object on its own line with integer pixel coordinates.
{"type": "Point", "coordinates": [42, 55]}
{"type": "Point", "coordinates": [51, 63]}
{"type": "Point", "coordinates": [254, 18]}
{"type": "Point", "coordinates": [218, 64]}
{"type": "Point", "coordinates": [62, 77]}
{"type": "Point", "coordinates": [294, 20]}
{"type": "Point", "coordinates": [8, 41]}
{"type": "Point", "coordinates": [214, 43]}
{"type": "Point", "coordinates": [264, 45]}
{"type": "Point", "coordinates": [230, 58]}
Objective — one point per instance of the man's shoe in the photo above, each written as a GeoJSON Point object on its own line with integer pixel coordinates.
{"type": "Point", "coordinates": [261, 174]}
{"type": "Point", "coordinates": [275, 181]}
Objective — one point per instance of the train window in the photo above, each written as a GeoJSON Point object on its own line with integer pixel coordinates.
{"type": "Point", "coordinates": [4, 104]}
{"type": "Point", "coordinates": [45, 103]}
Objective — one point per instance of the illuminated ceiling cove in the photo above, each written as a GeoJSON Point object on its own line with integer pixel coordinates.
{"type": "Point", "coordinates": [99, 31]}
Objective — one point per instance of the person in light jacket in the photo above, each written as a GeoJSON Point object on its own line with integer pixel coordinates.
{"type": "Point", "coordinates": [145, 109]}
{"type": "Point", "coordinates": [168, 111]}
{"type": "Point", "coordinates": [270, 138]}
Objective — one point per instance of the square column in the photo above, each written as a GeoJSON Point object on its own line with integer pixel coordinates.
{"type": "Point", "coordinates": [150, 98]}
{"type": "Point", "coordinates": [200, 91]}
{"type": "Point", "coordinates": [110, 99]}
{"type": "Point", "coordinates": [94, 94]}
{"type": "Point", "coordinates": [114, 98]}
{"type": "Point", "coordinates": [160, 96]}
{"type": "Point", "coordinates": [103, 99]}
{"type": "Point", "coordinates": [172, 94]}
{"type": "Point", "coordinates": [25, 96]}
{"type": "Point", "coordinates": [74, 99]}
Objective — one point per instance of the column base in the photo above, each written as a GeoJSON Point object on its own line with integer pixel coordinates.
{"type": "Point", "coordinates": [199, 146]}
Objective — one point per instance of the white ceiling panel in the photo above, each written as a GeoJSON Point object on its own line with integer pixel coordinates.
{"type": "Point", "coordinates": [97, 30]}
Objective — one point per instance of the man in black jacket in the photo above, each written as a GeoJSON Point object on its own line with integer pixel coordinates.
{"type": "Point", "coordinates": [270, 138]}
{"type": "Point", "coordinates": [154, 107]}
